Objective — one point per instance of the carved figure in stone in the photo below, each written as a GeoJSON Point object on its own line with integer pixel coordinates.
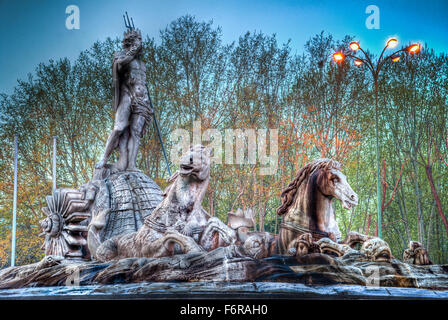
{"type": "Point", "coordinates": [376, 250]}
{"type": "Point", "coordinates": [241, 221]}
{"type": "Point", "coordinates": [307, 202]}
{"type": "Point", "coordinates": [329, 247]}
{"type": "Point", "coordinates": [355, 240]}
{"type": "Point", "coordinates": [179, 212]}
{"type": "Point", "coordinates": [416, 254]}
{"type": "Point", "coordinates": [64, 226]}
{"type": "Point", "coordinates": [256, 244]}
{"type": "Point", "coordinates": [217, 234]}
{"type": "Point", "coordinates": [303, 245]}
{"type": "Point", "coordinates": [131, 104]}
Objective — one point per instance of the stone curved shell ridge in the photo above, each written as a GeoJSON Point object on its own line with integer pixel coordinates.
{"type": "Point", "coordinates": [132, 196]}
{"type": "Point", "coordinates": [56, 246]}
{"type": "Point", "coordinates": [65, 201]}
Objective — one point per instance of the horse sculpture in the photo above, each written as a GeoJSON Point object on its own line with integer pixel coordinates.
{"type": "Point", "coordinates": [178, 219]}
{"type": "Point", "coordinates": [307, 203]}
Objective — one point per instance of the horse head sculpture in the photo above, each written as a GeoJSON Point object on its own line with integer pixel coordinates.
{"type": "Point", "coordinates": [307, 202]}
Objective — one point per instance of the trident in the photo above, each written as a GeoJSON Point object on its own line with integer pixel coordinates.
{"type": "Point", "coordinates": [129, 24]}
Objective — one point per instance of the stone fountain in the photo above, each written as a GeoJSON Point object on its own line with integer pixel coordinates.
{"type": "Point", "coordinates": [120, 234]}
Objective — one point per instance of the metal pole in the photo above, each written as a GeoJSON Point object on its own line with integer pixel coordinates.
{"type": "Point", "coordinates": [14, 207]}
{"type": "Point", "coordinates": [158, 132]}
{"type": "Point", "coordinates": [378, 182]}
{"type": "Point", "coordinates": [161, 143]}
{"type": "Point", "coordinates": [54, 164]}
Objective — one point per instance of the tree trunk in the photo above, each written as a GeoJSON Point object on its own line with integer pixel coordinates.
{"type": "Point", "coordinates": [368, 225]}
{"type": "Point", "coordinates": [421, 231]}
{"type": "Point", "coordinates": [404, 213]}
{"type": "Point", "coordinates": [428, 169]}
{"type": "Point", "coordinates": [428, 237]}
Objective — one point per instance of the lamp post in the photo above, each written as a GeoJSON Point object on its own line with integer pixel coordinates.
{"type": "Point", "coordinates": [339, 57]}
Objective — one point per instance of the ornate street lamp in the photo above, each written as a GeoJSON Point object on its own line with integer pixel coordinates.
{"type": "Point", "coordinates": [339, 57]}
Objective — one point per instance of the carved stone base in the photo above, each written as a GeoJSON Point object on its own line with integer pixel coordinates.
{"type": "Point", "coordinates": [230, 264]}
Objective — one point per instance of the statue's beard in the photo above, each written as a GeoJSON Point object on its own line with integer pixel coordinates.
{"type": "Point", "coordinates": [135, 47]}
{"type": "Point", "coordinates": [134, 50]}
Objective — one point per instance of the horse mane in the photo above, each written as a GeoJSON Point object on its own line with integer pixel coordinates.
{"type": "Point", "coordinates": [288, 195]}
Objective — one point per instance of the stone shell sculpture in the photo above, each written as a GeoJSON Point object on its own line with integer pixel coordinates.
{"type": "Point", "coordinates": [122, 203]}
{"type": "Point", "coordinates": [64, 226]}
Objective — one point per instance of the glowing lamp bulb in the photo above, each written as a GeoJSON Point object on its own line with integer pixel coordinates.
{"type": "Point", "coordinates": [358, 63]}
{"type": "Point", "coordinates": [338, 57]}
{"type": "Point", "coordinates": [354, 46]}
{"type": "Point", "coordinates": [415, 48]}
{"type": "Point", "coordinates": [392, 43]}
{"type": "Point", "coordinates": [395, 58]}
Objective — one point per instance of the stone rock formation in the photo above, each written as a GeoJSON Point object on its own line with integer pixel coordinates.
{"type": "Point", "coordinates": [232, 263]}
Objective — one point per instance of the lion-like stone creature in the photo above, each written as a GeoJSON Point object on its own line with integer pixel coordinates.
{"type": "Point", "coordinates": [178, 224]}
{"type": "Point", "coordinates": [416, 254]}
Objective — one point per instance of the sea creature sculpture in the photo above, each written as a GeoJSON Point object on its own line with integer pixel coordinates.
{"type": "Point", "coordinates": [416, 254]}
{"type": "Point", "coordinates": [179, 218]}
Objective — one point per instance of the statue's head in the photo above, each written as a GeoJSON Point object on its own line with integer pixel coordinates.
{"type": "Point", "coordinates": [132, 40]}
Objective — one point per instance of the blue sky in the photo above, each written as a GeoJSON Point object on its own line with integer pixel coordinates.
{"type": "Point", "coordinates": [34, 31]}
